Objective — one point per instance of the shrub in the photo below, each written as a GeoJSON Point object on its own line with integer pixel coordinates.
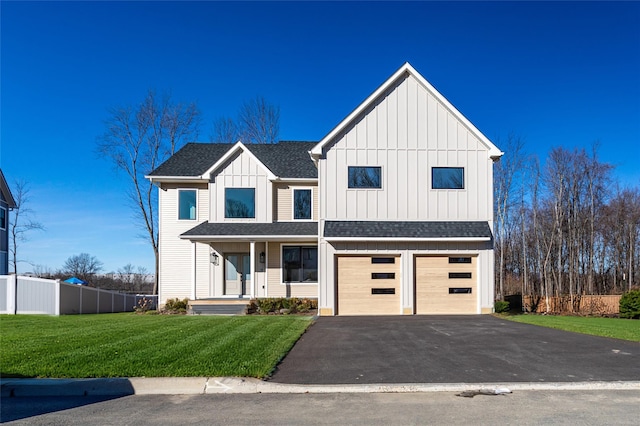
{"type": "Point", "coordinates": [501, 306]}
{"type": "Point", "coordinates": [630, 305]}
{"type": "Point", "coordinates": [175, 306]}
{"type": "Point", "coordinates": [143, 305]}
{"type": "Point", "coordinates": [282, 305]}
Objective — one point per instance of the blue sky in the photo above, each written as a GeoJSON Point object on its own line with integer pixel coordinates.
{"type": "Point", "coordinates": [556, 74]}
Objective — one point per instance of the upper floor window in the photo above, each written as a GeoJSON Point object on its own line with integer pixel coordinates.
{"type": "Point", "coordinates": [187, 204]}
{"type": "Point", "coordinates": [240, 203]}
{"type": "Point", "coordinates": [3, 218]}
{"type": "Point", "coordinates": [447, 178]}
{"type": "Point", "coordinates": [365, 177]}
{"type": "Point", "coordinates": [302, 204]}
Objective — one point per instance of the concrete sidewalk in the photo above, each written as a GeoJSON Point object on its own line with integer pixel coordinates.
{"type": "Point", "coordinates": [236, 385]}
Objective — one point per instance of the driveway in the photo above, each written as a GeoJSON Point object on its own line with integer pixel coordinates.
{"type": "Point", "coordinates": [452, 349]}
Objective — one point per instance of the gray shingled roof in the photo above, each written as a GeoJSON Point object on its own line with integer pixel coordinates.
{"type": "Point", "coordinates": [207, 229]}
{"type": "Point", "coordinates": [284, 159]}
{"type": "Point", "coordinates": [384, 229]}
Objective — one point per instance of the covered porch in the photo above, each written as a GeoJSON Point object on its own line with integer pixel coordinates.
{"type": "Point", "coordinates": [245, 259]}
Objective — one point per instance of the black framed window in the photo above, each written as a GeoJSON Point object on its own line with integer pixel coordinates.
{"type": "Point", "coordinates": [302, 204]}
{"type": "Point", "coordinates": [300, 264]}
{"type": "Point", "coordinates": [240, 203]}
{"type": "Point", "coordinates": [459, 260]}
{"type": "Point", "coordinates": [187, 204]}
{"type": "Point", "coordinates": [365, 177]}
{"type": "Point", "coordinates": [447, 178]}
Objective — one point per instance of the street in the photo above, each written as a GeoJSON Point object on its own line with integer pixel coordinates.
{"type": "Point", "coordinates": [521, 407]}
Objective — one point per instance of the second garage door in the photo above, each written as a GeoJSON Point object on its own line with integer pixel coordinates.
{"type": "Point", "coordinates": [446, 285]}
{"type": "Point", "coordinates": [368, 285]}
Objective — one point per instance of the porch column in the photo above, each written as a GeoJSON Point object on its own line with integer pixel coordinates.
{"type": "Point", "coordinates": [193, 272]}
{"type": "Point", "coordinates": [252, 269]}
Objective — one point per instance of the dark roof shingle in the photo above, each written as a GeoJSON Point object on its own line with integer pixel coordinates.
{"type": "Point", "coordinates": [284, 159]}
{"type": "Point", "coordinates": [206, 229]}
{"type": "Point", "coordinates": [392, 229]}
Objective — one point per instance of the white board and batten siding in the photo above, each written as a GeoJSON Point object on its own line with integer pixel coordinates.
{"type": "Point", "coordinates": [176, 254]}
{"type": "Point", "coordinates": [241, 171]}
{"type": "Point", "coordinates": [406, 133]}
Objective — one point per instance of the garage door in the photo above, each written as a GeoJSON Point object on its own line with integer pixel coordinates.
{"type": "Point", "coordinates": [368, 285]}
{"type": "Point", "coordinates": [446, 285]}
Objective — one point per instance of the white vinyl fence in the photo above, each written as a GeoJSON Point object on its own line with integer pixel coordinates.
{"type": "Point", "coordinates": [27, 295]}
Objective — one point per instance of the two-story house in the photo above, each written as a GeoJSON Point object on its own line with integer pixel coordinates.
{"type": "Point", "coordinates": [7, 202]}
{"type": "Point", "coordinates": [390, 213]}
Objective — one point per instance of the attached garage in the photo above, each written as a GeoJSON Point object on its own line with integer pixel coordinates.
{"type": "Point", "coordinates": [368, 285]}
{"type": "Point", "coordinates": [446, 285]}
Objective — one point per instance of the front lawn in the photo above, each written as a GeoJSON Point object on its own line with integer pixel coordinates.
{"type": "Point", "coordinates": [129, 345]}
{"type": "Point", "coordinates": [617, 328]}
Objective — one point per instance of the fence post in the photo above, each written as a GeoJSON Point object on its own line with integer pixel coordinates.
{"type": "Point", "coordinates": [57, 305]}
{"type": "Point", "coordinates": [12, 294]}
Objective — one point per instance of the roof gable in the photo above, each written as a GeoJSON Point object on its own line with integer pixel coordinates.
{"type": "Point", "coordinates": [284, 160]}
{"type": "Point", "coordinates": [6, 192]}
{"type": "Point", "coordinates": [403, 72]}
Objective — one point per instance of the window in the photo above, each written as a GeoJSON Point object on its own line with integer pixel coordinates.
{"type": "Point", "coordinates": [302, 204]}
{"type": "Point", "coordinates": [383, 260]}
{"type": "Point", "coordinates": [457, 275]}
{"type": "Point", "coordinates": [187, 204]}
{"type": "Point", "coordinates": [447, 178]}
{"type": "Point", "coordinates": [365, 177]}
{"type": "Point", "coordinates": [300, 264]}
{"type": "Point", "coordinates": [383, 275]}
{"type": "Point", "coordinates": [239, 203]}
{"type": "Point", "coordinates": [459, 260]}
{"type": "Point", "coordinates": [459, 290]}
{"type": "Point", "coordinates": [383, 291]}
{"type": "Point", "coordinates": [3, 218]}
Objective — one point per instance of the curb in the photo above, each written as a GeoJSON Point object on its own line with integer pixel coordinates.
{"type": "Point", "coordinates": [235, 385]}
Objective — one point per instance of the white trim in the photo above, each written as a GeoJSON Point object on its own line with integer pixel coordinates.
{"type": "Point", "coordinates": [193, 272]}
{"type": "Point", "coordinates": [252, 268]}
{"type": "Point", "coordinates": [281, 266]}
{"type": "Point", "coordinates": [176, 179]}
{"type": "Point", "coordinates": [412, 239]}
{"type": "Point", "coordinates": [266, 269]}
{"type": "Point", "coordinates": [406, 69]}
{"type": "Point", "coordinates": [293, 203]}
{"type": "Point", "coordinates": [238, 145]}
{"type": "Point", "coordinates": [296, 180]}
{"type": "Point", "coordinates": [248, 238]}
{"type": "Point", "coordinates": [178, 191]}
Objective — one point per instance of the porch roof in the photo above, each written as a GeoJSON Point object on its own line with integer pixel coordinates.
{"type": "Point", "coordinates": [407, 230]}
{"type": "Point", "coordinates": [252, 231]}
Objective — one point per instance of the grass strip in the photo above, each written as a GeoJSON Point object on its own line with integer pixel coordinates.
{"type": "Point", "coordinates": [617, 328]}
{"type": "Point", "coordinates": [129, 345]}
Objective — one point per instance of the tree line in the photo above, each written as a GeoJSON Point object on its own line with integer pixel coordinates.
{"type": "Point", "coordinates": [564, 228]}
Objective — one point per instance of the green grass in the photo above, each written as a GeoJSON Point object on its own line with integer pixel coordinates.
{"type": "Point", "coordinates": [129, 345]}
{"type": "Point", "coordinates": [617, 328]}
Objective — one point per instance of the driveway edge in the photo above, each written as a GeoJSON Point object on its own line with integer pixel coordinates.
{"type": "Point", "coordinates": [236, 385]}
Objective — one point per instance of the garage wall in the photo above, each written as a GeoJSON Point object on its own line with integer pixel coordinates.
{"type": "Point", "coordinates": [406, 251]}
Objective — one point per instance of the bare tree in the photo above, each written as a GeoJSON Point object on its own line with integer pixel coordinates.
{"type": "Point", "coordinates": [137, 140]}
{"type": "Point", "coordinates": [22, 223]}
{"type": "Point", "coordinates": [82, 265]}
{"type": "Point", "coordinates": [225, 130]}
{"type": "Point", "coordinates": [258, 121]}
{"type": "Point", "coordinates": [508, 172]}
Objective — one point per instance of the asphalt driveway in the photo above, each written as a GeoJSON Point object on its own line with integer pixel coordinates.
{"type": "Point", "coordinates": [452, 349]}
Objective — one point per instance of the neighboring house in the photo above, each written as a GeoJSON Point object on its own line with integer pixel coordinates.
{"type": "Point", "coordinates": [7, 203]}
{"type": "Point", "coordinates": [390, 213]}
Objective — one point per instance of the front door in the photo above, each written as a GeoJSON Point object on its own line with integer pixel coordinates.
{"type": "Point", "coordinates": [237, 274]}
